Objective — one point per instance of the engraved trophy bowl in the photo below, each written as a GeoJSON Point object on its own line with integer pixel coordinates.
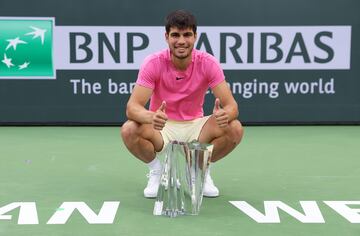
{"type": "Point", "coordinates": [182, 179]}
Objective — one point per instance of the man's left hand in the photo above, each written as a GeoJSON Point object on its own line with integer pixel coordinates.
{"type": "Point", "coordinates": [221, 117]}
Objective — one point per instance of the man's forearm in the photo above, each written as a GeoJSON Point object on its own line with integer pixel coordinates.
{"type": "Point", "coordinates": [139, 114]}
{"type": "Point", "coordinates": [232, 111]}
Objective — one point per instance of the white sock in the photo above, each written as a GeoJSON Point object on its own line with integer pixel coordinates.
{"type": "Point", "coordinates": [155, 164]}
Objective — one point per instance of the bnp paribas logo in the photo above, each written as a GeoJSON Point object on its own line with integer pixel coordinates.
{"type": "Point", "coordinates": [26, 48]}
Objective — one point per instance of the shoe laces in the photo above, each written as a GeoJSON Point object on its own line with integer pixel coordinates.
{"type": "Point", "coordinates": [153, 176]}
{"type": "Point", "coordinates": [153, 173]}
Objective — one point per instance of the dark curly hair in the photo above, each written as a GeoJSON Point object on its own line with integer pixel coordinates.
{"type": "Point", "coordinates": [180, 19]}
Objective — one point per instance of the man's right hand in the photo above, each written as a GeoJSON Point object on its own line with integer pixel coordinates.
{"type": "Point", "coordinates": [160, 117]}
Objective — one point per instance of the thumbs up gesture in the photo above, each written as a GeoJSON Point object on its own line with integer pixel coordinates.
{"type": "Point", "coordinates": [221, 117]}
{"type": "Point", "coordinates": [160, 117]}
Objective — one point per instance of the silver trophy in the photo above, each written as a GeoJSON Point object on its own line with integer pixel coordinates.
{"type": "Point", "coordinates": [182, 179]}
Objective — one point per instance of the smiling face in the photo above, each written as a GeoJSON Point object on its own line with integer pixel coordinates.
{"type": "Point", "coordinates": [181, 42]}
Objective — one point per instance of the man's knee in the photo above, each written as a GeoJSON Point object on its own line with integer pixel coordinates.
{"type": "Point", "coordinates": [129, 130]}
{"type": "Point", "coordinates": [236, 131]}
{"type": "Point", "coordinates": [134, 135]}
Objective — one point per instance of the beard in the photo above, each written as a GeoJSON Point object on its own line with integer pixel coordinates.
{"type": "Point", "coordinates": [182, 55]}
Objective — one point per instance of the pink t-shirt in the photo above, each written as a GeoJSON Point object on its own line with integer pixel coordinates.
{"type": "Point", "coordinates": [183, 91]}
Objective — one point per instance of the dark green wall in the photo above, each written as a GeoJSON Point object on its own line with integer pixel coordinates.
{"type": "Point", "coordinates": [53, 102]}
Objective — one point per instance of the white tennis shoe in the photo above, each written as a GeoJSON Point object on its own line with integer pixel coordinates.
{"type": "Point", "coordinates": [210, 190]}
{"type": "Point", "coordinates": [153, 184]}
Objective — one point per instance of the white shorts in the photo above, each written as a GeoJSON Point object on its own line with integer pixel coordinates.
{"type": "Point", "coordinates": [183, 131]}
